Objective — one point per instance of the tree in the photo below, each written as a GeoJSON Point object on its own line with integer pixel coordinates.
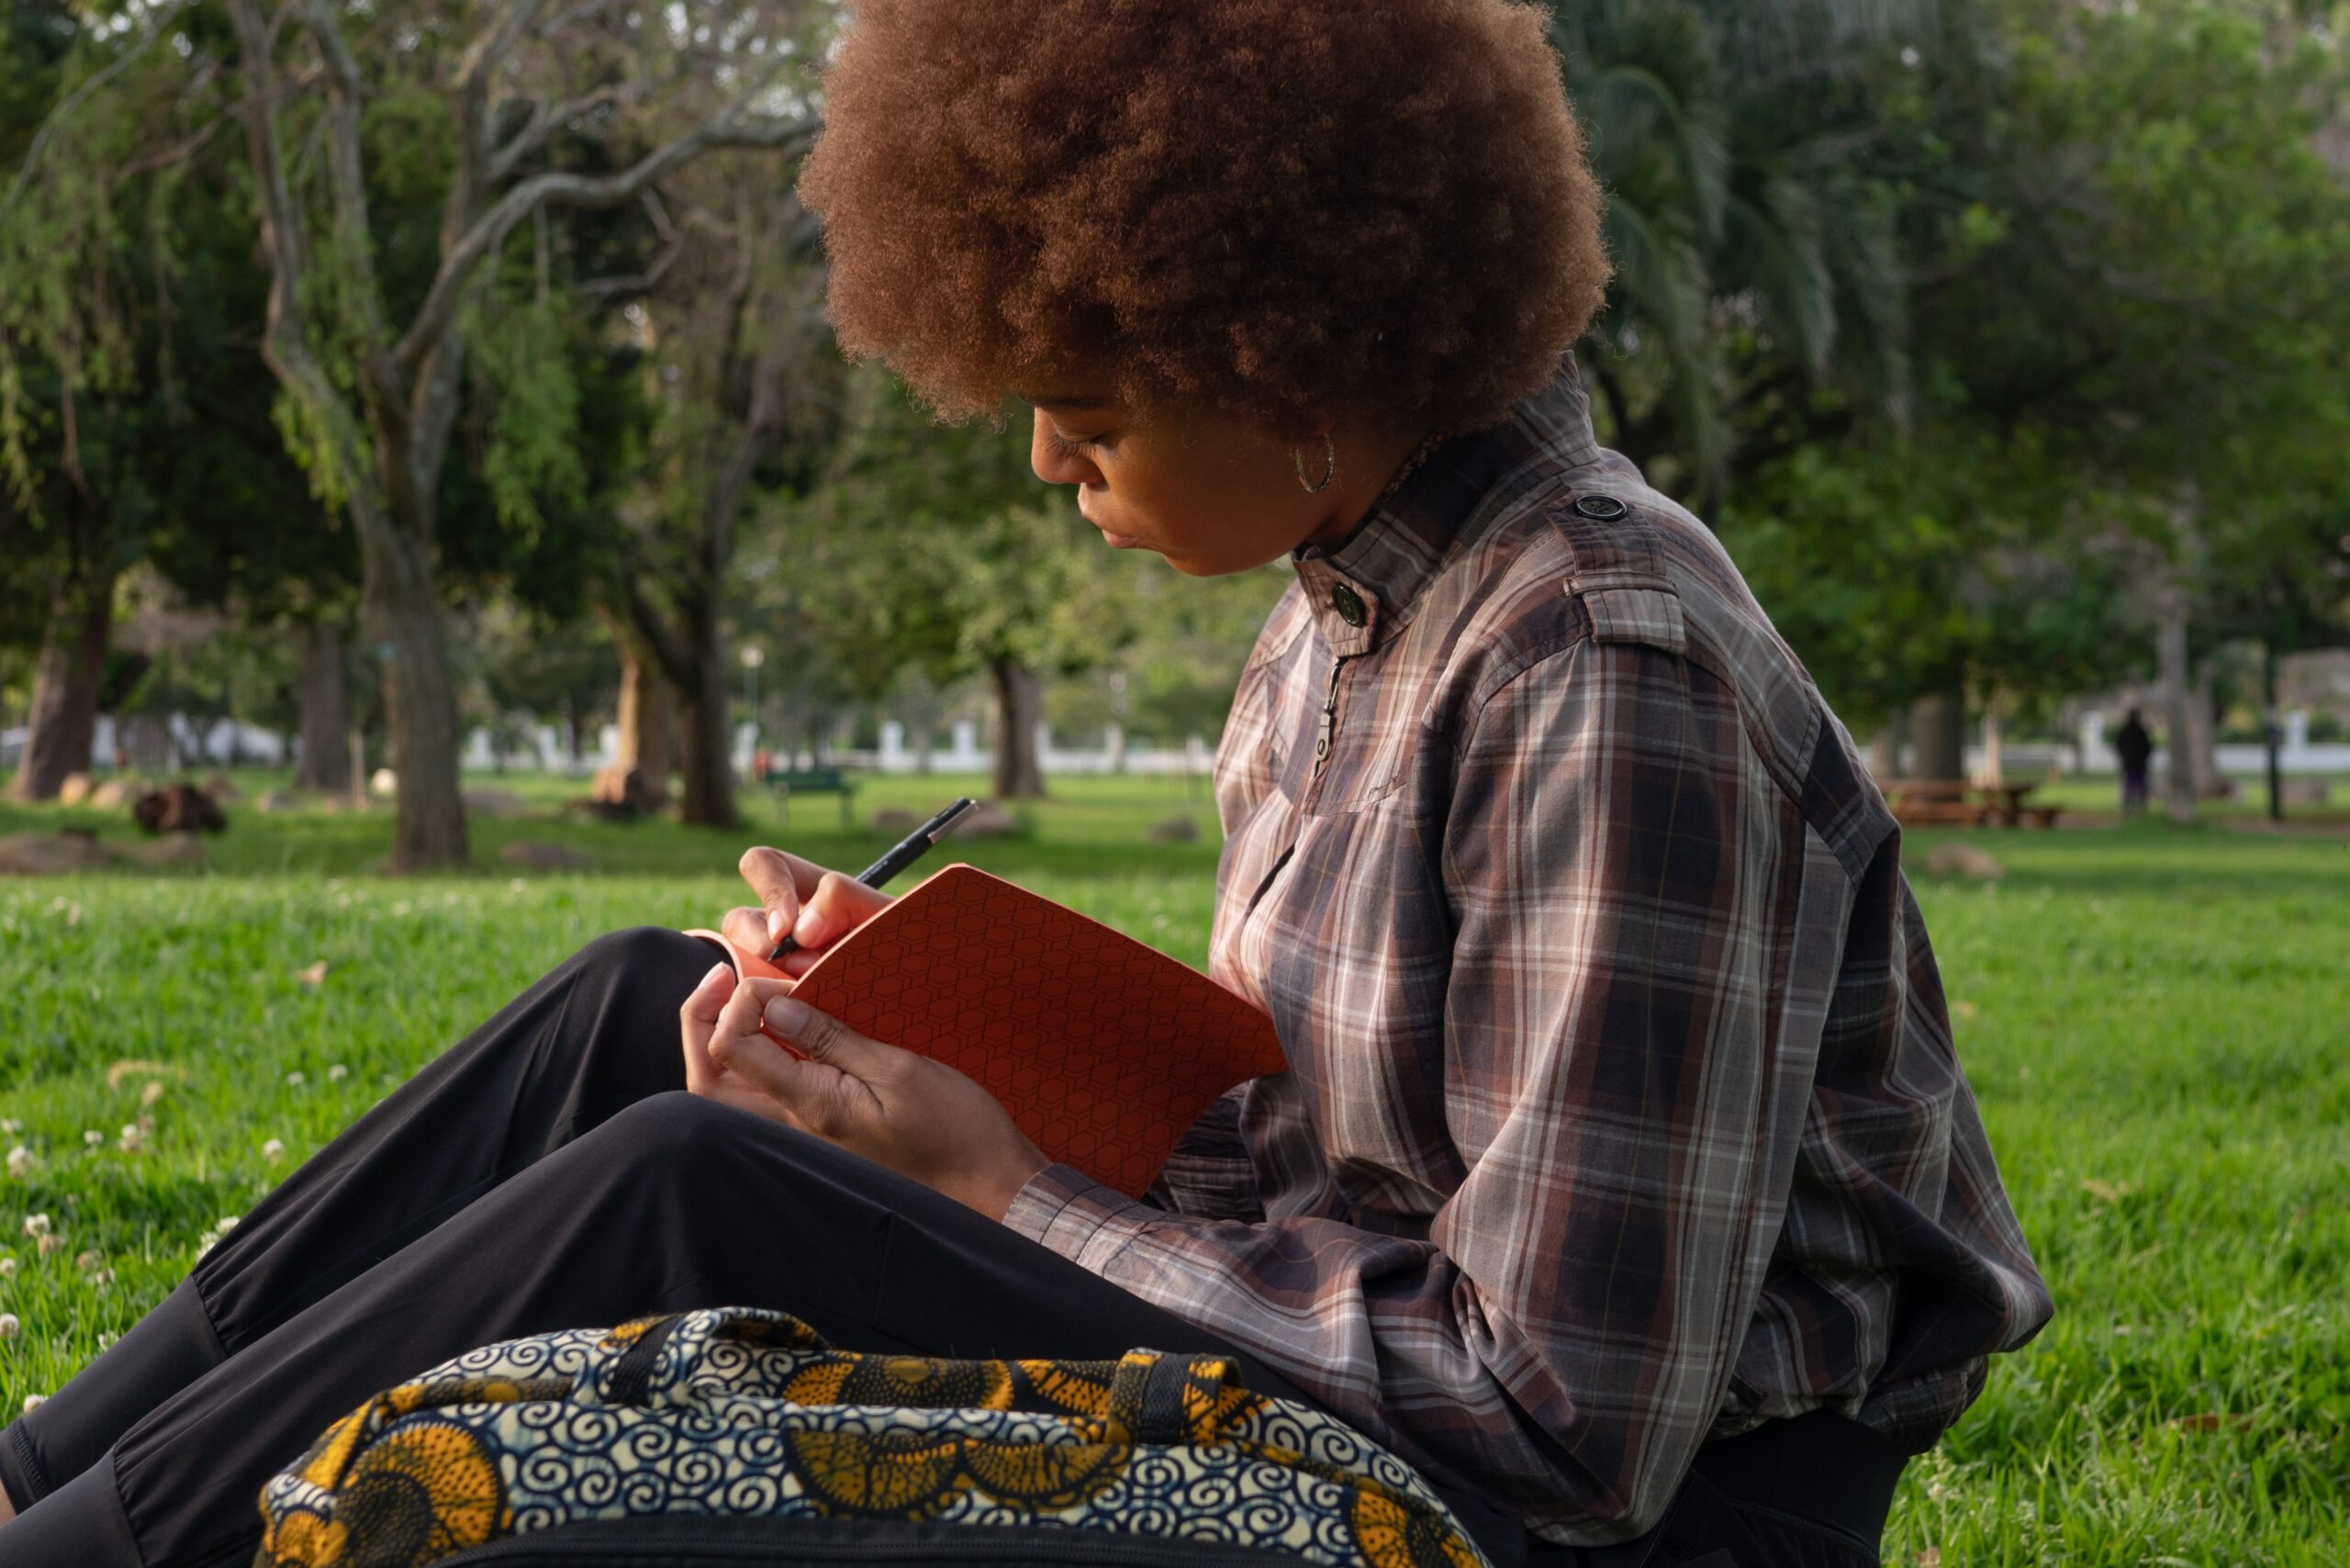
{"type": "Point", "coordinates": [939, 551]}
{"type": "Point", "coordinates": [744, 383]}
{"type": "Point", "coordinates": [2124, 247]}
{"type": "Point", "coordinates": [131, 430]}
{"type": "Point", "coordinates": [373, 384]}
{"type": "Point", "coordinates": [1755, 255]}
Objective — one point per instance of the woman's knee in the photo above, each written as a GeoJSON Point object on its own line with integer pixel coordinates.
{"type": "Point", "coordinates": [680, 1134]}
{"type": "Point", "coordinates": [654, 951]}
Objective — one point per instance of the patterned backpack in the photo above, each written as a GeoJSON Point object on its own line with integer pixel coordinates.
{"type": "Point", "coordinates": [737, 1435]}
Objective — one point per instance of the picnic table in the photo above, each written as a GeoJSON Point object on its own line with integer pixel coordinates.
{"type": "Point", "coordinates": [1919, 802]}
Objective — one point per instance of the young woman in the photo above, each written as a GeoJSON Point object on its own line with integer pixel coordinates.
{"type": "Point", "coordinates": [1624, 1178]}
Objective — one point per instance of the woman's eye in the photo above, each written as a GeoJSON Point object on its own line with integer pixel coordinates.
{"type": "Point", "coordinates": [1071, 445]}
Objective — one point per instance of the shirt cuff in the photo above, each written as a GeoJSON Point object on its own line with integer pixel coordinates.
{"type": "Point", "coordinates": [1068, 1211]}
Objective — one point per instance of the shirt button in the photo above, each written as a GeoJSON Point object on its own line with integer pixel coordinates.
{"type": "Point", "coordinates": [1348, 604]}
{"type": "Point", "coordinates": [1601, 509]}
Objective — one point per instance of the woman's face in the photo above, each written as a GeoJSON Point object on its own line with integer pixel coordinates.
{"type": "Point", "coordinates": [1211, 492]}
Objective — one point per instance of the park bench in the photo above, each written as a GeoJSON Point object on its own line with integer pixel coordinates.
{"type": "Point", "coordinates": [816, 782]}
{"type": "Point", "coordinates": [1919, 802]}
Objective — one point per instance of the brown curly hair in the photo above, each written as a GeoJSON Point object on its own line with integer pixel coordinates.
{"type": "Point", "coordinates": [1278, 207]}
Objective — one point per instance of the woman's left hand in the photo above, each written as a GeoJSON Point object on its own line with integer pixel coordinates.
{"type": "Point", "coordinates": [918, 1116]}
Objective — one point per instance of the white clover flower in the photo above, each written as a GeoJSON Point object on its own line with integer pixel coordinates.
{"type": "Point", "coordinates": [11, 1127]}
{"type": "Point", "coordinates": [337, 1073]}
{"type": "Point", "coordinates": [89, 1260]}
{"type": "Point", "coordinates": [294, 1080]}
{"type": "Point", "coordinates": [36, 1225]}
{"type": "Point", "coordinates": [8, 1324]}
{"type": "Point", "coordinates": [131, 1137]}
{"type": "Point", "coordinates": [272, 1149]}
{"type": "Point", "coordinates": [7, 1265]}
{"type": "Point", "coordinates": [50, 1244]}
{"type": "Point", "coordinates": [34, 1402]}
{"type": "Point", "coordinates": [93, 1138]}
{"type": "Point", "coordinates": [20, 1160]}
{"type": "Point", "coordinates": [225, 1224]}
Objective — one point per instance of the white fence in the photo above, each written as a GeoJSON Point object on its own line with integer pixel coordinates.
{"type": "Point", "coordinates": [543, 750]}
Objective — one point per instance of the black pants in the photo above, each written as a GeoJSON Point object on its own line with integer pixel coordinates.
{"type": "Point", "coordinates": [550, 1173]}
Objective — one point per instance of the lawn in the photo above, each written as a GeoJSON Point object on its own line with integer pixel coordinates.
{"type": "Point", "coordinates": [2157, 1025]}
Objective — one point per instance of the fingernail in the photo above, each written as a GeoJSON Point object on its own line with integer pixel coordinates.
{"type": "Point", "coordinates": [777, 926]}
{"type": "Point", "coordinates": [811, 929]}
{"type": "Point", "coordinates": [715, 970]}
{"type": "Point", "coordinates": [786, 1017]}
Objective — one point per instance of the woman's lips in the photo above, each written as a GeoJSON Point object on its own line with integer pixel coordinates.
{"type": "Point", "coordinates": [1117, 541]}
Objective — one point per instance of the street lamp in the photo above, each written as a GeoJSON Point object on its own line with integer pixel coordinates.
{"type": "Point", "coordinates": [752, 659]}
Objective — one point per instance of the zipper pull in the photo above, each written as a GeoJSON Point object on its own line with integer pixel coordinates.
{"type": "Point", "coordinates": [1329, 723]}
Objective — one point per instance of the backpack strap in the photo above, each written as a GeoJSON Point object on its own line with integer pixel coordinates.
{"type": "Point", "coordinates": [1166, 1401]}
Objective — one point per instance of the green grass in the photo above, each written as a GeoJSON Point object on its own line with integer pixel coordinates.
{"type": "Point", "coordinates": [2157, 1025]}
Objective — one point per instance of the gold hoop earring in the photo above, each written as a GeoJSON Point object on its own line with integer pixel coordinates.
{"type": "Point", "coordinates": [1330, 465]}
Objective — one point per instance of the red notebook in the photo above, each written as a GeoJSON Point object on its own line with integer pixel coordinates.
{"type": "Point", "coordinates": [1103, 1050]}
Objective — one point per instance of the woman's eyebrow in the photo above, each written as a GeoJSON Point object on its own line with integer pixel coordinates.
{"type": "Point", "coordinates": [1067, 404]}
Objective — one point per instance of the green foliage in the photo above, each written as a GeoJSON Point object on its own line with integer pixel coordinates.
{"type": "Point", "coordinates": [1754, 253]}
{"type": "Point", "coordinates": [938, 549]}
{"type": "Point", "coordinates": [523, 360]}
{"type": "Point", "coordinates": [2127, 248]}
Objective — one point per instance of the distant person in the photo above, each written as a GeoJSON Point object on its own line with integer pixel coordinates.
{"type": "Point", "coordinates": [762, 764]}
{"type": "Point", "coordinates": [1626, 1181]}
{"type": "Point", "coordinates": [2134, 744]}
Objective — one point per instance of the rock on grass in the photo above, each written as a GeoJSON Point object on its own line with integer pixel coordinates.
{"type": "Point", "coordinates": [535, 855]}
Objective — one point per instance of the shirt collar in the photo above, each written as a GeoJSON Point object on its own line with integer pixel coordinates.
{"type": "Point", "coordinates": [1362, 589]}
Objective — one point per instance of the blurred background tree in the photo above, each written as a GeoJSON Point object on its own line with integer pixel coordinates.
{"type": "Point", "coordinates": [466, 362]}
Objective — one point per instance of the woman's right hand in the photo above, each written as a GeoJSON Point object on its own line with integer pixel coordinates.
{"type": "Point", "coordinates": [800, 898]}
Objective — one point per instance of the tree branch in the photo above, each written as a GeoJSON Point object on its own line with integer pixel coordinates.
{"type": "Point", "coordinates": [434, 317]}
{"type": "Point", "coordinates": [78, 96]}
{"type": "Point", "coordinates": [490, 48]}
{"type": "Point", "coordinates": [347, 169]}
{"type": "Point", "coordinates": [178, 153]}
{"type": "Point", "coordinates": [544, 121]}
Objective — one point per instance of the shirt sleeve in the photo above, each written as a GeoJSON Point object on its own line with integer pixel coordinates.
{"type": "Point", "coordinates": [1566, 1333]}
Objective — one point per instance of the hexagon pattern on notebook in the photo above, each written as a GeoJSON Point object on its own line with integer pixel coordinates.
{"type": "Point", "coordinates": [1105, 1050]}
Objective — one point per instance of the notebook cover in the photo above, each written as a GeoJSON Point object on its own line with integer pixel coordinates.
{"type": "Point", "coordinates": [1105, 1050]}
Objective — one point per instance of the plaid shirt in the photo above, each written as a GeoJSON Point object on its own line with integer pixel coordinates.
{"type": "Point", "coordinates": [1623, 1111]}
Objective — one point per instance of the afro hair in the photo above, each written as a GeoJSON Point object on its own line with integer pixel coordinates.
{"type": "Point", "coordinates": [1290, 209]}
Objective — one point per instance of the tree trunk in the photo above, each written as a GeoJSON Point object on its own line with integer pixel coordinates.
{"type": "Point", "coordinates": [708, 799]}
{"type": "Point", "coordinates": [1884, 751]}
{"type": "Point", "coordinates": [1019, 704]}
{"type": "Point", "coordinates": [2271, 732]}
{"type": "Point", "coordinates": [1995, 744]}
{"type": "Point", "coordinates": [64, 721]}
{"type": "Point", "coordinates": [326, 711]}
{"type": "Point", "coordinates": [430, 830]}
{"type": "Point", "coordinates": [2203, 713]}
{"type": "Point", "coordinates": [648, 719]}
{"type": "Point", "coordinates": [2179, 746]}
{"type": "Point", "coordinates": [1939, 723]}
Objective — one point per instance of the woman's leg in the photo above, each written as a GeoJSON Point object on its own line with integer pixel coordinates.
{"type": "Point", "coordinates": [596, 1035]}
{"type": "Point", "coordinates": [674, 1203]}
